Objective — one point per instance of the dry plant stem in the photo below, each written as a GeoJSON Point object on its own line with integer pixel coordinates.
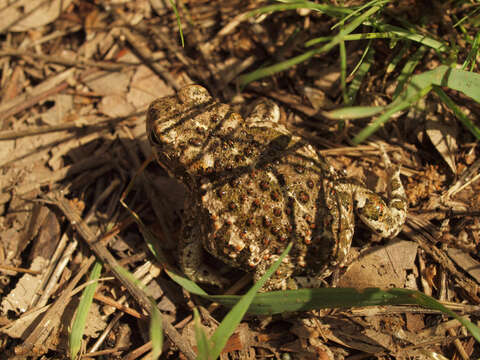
{"type": "Point", "coordinates": [47, 274]}
{"type": "Point", "coordinates": [81, 124]}
{"type": "Point", "coordinates": [18, 269]}
{"type": "Point", "coordinates": [61, 265]}
{"type": "Point", "coordinates": [124, 309]}
{"type": "Point", "coordinates": [114, 352]}
{"type": "Point", "coordinates": [105, 332]}
{"type": "Point", "coordinates": [79, 63]}
{"type": "Point", "coordinates": [47, 86]}
{"type": "Point", "coordinates": [32, 101]}
{"type": "Point", "coordinates": [458, 345]}
{"type": "Point", "coordinates": [467, 178]}
{"type": "Point", "coordinates": [59, 175]}
{"type": "Point", "coordinates": [104, 255]}
{"type": "Point", "coordinates": [135, 354]}
{"type": "Point", "coordinates": [415, 230]}
{"type": "Point", "coordinates": [51, 319]}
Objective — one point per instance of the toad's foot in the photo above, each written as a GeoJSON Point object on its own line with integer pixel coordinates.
{"type": "Point", "coordinates": [384, 219]}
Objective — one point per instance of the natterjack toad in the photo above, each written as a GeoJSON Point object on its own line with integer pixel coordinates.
{"type": "Point", "coordinates": [253, 187]}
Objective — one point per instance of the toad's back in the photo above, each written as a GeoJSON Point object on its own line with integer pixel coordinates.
{"type": "Point", "coordinates": [253, 187]}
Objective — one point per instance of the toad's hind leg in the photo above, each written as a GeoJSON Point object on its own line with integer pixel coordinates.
{"type": "Point", "coordinates": [191, 257]}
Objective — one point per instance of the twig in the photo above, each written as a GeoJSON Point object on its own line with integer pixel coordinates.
{"type": "Point", "coordinates": [38, 337]}
{"type": "Point", "coordinates": [147, 57]}
{"type": "Point", "coordinates": [79, 63]}
{"type": "Point", "coordinates": [77, 125]}
{"type": "Point", "coordinates": [106, 257]}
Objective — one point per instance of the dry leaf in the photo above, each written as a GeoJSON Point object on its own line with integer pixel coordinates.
{"type": "Point", "coordinates": [62, 106]}
{"type": "Point", "coordinates": [115, 106]}
{"type": "Point", "coordinates": [443, 137]}
{"type": "Point", "coordinates": [23, 15]}
{"type": "Point", "coordinates": [466, 262]}
{"type": "Point", "coordinates": [381, 266]}
{"type": "Point", "coordinates": [19, 299]}
{"type": "Point", "coordinates": [146, 87]}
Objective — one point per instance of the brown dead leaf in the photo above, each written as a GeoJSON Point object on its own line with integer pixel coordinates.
{"type": "Point", "coordinates": [146, 87]}
{"type": "Point", "coordinates": [108, 83]}
{"type": "Point", "coordinates": [466, 262]}
{"type": "Point", "coordinates": [115, 106]}
{"type": "Point", "coordinates": [381, 266]}
{"type": "Point", "coordinates": [19, 299]}
{"type": "Point", "coordinates": [318, 98]}
{"type": "Point", "coordinates": [23, 15]}
{"type": "Point", "coordinates": [62, 106]}
{"type": "Point", "coordinates": [443, 137]}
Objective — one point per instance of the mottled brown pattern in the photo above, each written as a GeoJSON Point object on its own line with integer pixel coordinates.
{"type": "Point", "coordinates": [254, 187]}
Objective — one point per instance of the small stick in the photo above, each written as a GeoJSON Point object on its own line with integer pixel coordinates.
{"type": "Point", "coordinates": [107, 258]}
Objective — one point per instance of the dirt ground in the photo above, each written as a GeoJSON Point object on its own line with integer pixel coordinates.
{"type": "Point", "coordinates": [77, 78]}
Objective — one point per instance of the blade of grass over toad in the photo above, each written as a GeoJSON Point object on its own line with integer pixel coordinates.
{"type": "Point", "coordinates": [277, 302]}
{"type": "Point", "coordinates": [156, 330]}
{"type": "Point", "coordinates": [458, 112]}
{"type": "Point", "coordinates": [201, 337]}
{"type": "Point", "coordinates": [78, 326]}
{"type": "Point", "coordinates": [270, 70]}
{"type": "Point", "coordinates": [226, 328]}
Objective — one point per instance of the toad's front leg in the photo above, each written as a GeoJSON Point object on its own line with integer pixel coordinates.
{"type": "Point", "coordinates": [192, 255]}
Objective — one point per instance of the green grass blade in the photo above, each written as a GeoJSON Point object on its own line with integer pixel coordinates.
{"type": "Point", "coordinates": [284, 65]}
{"type": "Point", "coordinates": [472, 54]}
{"type": "Point", "coordinates": [179, 23]}
{"type": "Point", "coordinates": [277, 302]}
{"type": "Point", "coordinates": [419, 38]}
{"type": "Point", "coordinates": [391, 110]}
{"type": "Point", "coordinates": [355, 112]}
{"type": "Point", "coordinates": [408, 69]}
{"type": "Point", "coordinates": [78, 326]}
{"type": "Point", "coordinates": [430, 303]}
{"type": "Point", "coordinates": [458, 112]}
{"type": "Point", "coordinates": [187, 284]}
{"type": "Point", "coordinates": [332, 11]}
{"type": "Point", "coordinates": [201, 337]}
{"type": "Point", "coordinates": [419, 85]}
{"type": "Point", "coordinates": [156, 330]}
{"type": "Point", "coordinates": [238, 311]}
{"type": "Point", "coordinates": [360, 71]}
{"type": "Point", "coordinates": [398, 57]}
